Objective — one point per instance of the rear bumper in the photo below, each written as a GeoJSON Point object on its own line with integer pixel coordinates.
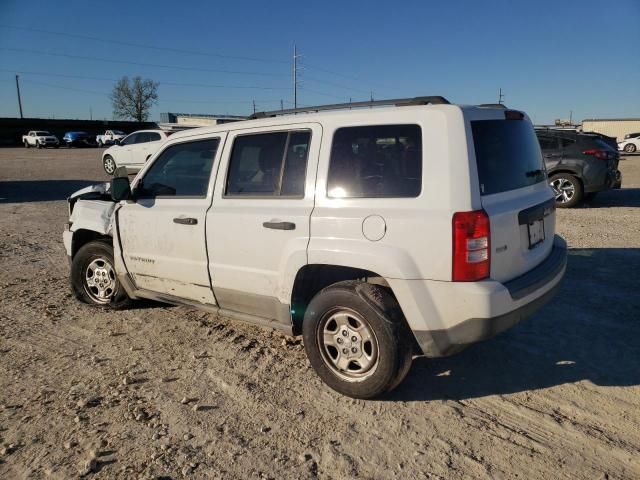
{"type": "Point", "coordinates": [463, 314]}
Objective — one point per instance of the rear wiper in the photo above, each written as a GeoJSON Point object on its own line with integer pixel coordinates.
{"type": "Point", "coordinates": [534, 173]}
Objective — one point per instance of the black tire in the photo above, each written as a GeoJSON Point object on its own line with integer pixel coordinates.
{"type": "Point", "coordinates": [630, 148]}
{"type": "Point", "coordinates": [109, 164]}
{"type": "Point", "coordinates": [377, 308]}
{"type": "Point", "coordinates": [38, 145]}
{"type": "Point", "coordinates": [99, 144]}
{"type": "Point", "coordinates": [566, 183]}
{"type": "Point", "coordinates": [91, 253]}
{"type": "Point", "coordinates": [26, 144]}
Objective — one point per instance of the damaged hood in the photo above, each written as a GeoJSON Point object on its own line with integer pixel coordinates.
{"type": "Point", "coordinates": [96, 191]}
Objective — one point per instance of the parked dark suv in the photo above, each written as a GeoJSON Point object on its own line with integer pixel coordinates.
{"type": "Point", "coordinates": [579, 165]}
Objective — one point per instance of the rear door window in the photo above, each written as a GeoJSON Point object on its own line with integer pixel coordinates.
{"type": "Point", "coordinates": [507, 154]}
{"type": "Point", "coordinates": [269, 164]}
{"type": "Point", "coordinates": [376, 161]}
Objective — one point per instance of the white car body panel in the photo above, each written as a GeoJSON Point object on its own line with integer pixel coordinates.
{"type": "Point", "coordinates": [633, 141]}
{"type": "Point", "coordinates": [134, 156]}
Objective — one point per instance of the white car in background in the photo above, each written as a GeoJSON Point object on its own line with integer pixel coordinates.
{"type": "Point", "coordinates": [40, 139]}
{"type": "Point", "coordinates": [133, 151]}
{"type": "Point", "coordinates": [630, 144]}
{"type": "Point", "coordinates": [109, 137]}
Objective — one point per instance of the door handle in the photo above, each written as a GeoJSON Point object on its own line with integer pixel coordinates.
{"type": "Point", "coordinates": [185, 221]}
{"type": "Point", "coordinates": [280, 225]}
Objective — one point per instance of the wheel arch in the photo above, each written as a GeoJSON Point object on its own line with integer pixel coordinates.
{"type": "Point", "coordinates": [83, 236]}
{"type": "Point", "coordinates": [312, 278]}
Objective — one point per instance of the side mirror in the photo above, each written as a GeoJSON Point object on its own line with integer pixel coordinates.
{"type": "Point", "coordinates": [120, 188]}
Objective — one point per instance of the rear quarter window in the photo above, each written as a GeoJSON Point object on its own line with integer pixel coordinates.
{"type": "Point", "coordinates": [507, 155]}
{"type": "Point", "coordinates": [377, 161]}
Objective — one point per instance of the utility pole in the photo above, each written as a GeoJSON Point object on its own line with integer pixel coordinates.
{"type": "Point", "coordinates": [295, 76]}
{"type": "Point", "coordinates": [281, 105]}
{"type": "Point", "coordinates": [500, 97]}
{"type": "Point", "coordinates": [254, 106]}
{"type": "Point", "coordinates": [571, 117]}
{"type": "Point", "coordinates": [19, 99]}
{"type": "Point", "coordinates": [90, 113]}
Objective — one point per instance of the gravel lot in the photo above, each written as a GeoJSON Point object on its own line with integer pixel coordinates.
{"type": "Point", "coordinates": [168, 392]}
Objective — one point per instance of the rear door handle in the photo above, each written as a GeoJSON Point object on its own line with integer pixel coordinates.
{"type": "Point", "coordinates": [280, 225]}
{"type": "Point", "coordinates": [185, 221]}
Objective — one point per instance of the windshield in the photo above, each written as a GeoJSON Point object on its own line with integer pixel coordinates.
{"type": "Point", "coordinates": [117, 132]}
{"type": "Point", "coordinates": [507, 154]}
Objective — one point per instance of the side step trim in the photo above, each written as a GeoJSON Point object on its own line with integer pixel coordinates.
{"type": "Point", "coordinates": [243, 317]}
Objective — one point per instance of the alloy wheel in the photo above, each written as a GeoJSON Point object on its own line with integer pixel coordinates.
{"type": "Point", "coordinates": [563, 189]}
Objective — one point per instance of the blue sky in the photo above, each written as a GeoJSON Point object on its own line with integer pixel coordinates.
{"type": "Point", "coordinates": [549, 57]}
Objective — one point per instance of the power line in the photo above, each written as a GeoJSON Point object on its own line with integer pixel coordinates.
{"type": "Point", "coordinates": [336, 85]}
{"type": "Point", "coordinates": [141, 45]}
{"type": "Point", "coordinates": [178, 84]}
{"type": "Point", "coordinates": [324, 94]}
{"type": "Point", "coordinates": [184, 51]}
{"type": "Point", "coordinates": [127, 62]}
{"type": "Point", "coordinates": [93, 92]}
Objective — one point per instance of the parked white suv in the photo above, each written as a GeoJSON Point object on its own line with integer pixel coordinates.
{"type": "Point", "coordinates": [378, 234]}
{"type": "Point", "coordinates": [133, 150]}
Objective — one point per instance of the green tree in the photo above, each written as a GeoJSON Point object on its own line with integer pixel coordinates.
{"type": "Point", "coordinates": [134, 99]}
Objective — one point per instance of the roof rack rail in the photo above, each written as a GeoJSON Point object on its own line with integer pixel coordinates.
{"type": "Point", "coordinates": [399, 102]}
{"type": "Point", "coordinates": [493, 105]}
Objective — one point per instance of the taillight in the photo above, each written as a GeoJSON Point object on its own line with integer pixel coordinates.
{"type": "Point", "coordinates": [596, 152]}
{"type": "Point", "coordinates": [471, 246]}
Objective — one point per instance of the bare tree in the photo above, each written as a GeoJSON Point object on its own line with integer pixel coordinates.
{"type": "Point", "coordinates": [133, 99]}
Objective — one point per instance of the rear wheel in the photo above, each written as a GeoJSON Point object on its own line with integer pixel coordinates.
{"type": "Point", "coordinates": [26, 144]}
{"type": "Point", "coordinates": [356, 339]}
{"type": "Point", "coordinates": [109, 164]}
{"type": "Point", "coordinates": [567, 188]}
{"type": "Point", "coordinates": [630, 148]}
{"type": "Point", "coordinates": [93, 277]}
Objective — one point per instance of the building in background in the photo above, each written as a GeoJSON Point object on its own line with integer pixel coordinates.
{"type": "Point", "coordinates": [182, 121]}
{"type": "Point", "coordinates": [612, 127]}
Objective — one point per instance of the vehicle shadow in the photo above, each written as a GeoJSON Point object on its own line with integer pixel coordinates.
{"type": "Point", "coordinates": [589, 331]}
{"type": "Point", "coordinates": [622, 197]}
{"type": "Point", "coordinates": [23, 191]}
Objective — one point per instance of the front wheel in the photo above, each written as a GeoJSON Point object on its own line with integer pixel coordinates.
{"type": "Point", "coordinates": [26, 144]}
{"type": "Point", "coordinates": [630, 148]}
{"type": "Point", "coordinates": [109, 164]}
{"type": "Point", "coordinates": [567, 189]}
{"type": "Point", "coordinates": [93, 277]}
{"type": "Point", "coordinates": [38, 145]}
{"type": "Point", "coordinates": [356, 339]}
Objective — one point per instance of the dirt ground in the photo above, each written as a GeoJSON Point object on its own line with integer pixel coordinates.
{"type": "Point", "coordinates": [168, 392]}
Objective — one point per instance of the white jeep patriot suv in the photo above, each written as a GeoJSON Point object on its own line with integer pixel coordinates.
{"type": "Point", "coordinates": [409, 227]}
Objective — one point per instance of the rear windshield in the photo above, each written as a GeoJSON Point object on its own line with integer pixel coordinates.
{"type": "Point", "coordinates": [508, 155]}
